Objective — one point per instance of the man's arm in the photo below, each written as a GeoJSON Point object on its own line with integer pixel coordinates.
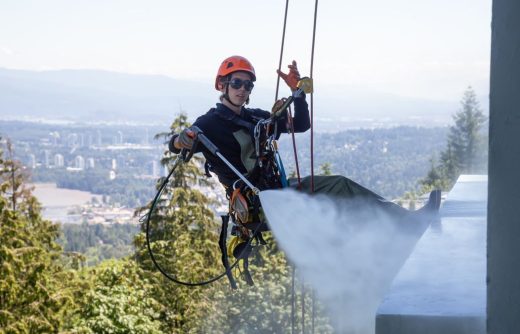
{"type": "Point", "coordinates": [301, 119]}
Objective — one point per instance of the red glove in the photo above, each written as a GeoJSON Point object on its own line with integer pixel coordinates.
{"type": "Point", "coordinates": [291, 78]}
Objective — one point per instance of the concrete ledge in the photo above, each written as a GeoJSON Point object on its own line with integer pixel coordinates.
{"type": "Point", "coordinates": [442, 286]}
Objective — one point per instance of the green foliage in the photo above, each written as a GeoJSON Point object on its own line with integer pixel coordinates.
{"type": "Point", "coordinates": [265, 307]}
{"type": "Point", "coordinates": [326, 169]}
{"type": "Point", "coordinates": [466, 149]}
{"type": "Point", "coordinates": [184, 239]}
{"type": "Point", "coordinates": [99, 242]}
{"type": "Point", "coordinates": [388, 161]}
{"type": "Point", "coordinates": [32, 299]}
{"type": "Point", "coordinates": [119, 301]}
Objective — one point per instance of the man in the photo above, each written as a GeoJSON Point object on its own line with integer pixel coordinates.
{"type": "Point", "coordinates": [230, 124]}
{"type": "Point", "coordinates": [231, 127]}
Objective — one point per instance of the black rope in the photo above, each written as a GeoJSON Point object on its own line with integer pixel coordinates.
{"type": "Point", "coordinates": [168, 276]}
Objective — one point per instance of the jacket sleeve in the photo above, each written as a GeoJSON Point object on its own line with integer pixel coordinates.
{"type": "Point", "coordinates": [301, 119]}
{"type": "Point", "coordinates": [173, 149]}
{"type": "Point", "coordinates": [171, 145]}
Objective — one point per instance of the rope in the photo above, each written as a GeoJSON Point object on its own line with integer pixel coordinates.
{"type": "Point", "coordinates": [281, 49]}
{"type": "Point", "coordinates": [149, 247]}
{"type": "Point", "coordinates": [312, 95]}
{"type": "Point", "coordinates": [295, 151]}
{"type": "Point", "coordinates": [312, 152]}
{"type": "Point", "coordinates": [278, 88]}
{"type": "Point", "coordinates": [293, 302]}
{"type": "Point", "coordinates": [303, 306]}
{"type": "Point", "coordinates": [313, 309]}
{"type": "Point", "coordinates": [296, 157]}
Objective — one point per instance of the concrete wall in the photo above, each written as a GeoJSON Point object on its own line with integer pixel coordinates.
{"type": "Point", "coordinates": [503, 306]}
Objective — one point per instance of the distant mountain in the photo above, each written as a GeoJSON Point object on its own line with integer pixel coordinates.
{"type": "Point", "coordinates": [103, 96]}
{"type": "Point", "coordinates": [92, 95]}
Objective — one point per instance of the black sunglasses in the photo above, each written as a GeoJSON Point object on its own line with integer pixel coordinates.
{"type": "Point", "coordinates": [237, 83]}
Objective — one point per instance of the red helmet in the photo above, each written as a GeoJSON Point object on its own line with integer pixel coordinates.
{"type": "Point", "coordinates": [234, 64]}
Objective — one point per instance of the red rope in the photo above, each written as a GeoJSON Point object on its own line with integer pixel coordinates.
{"type": "Point", "coordinates": [294, 149]}
{"type": "Point", "coordinates": [312, 95]}
{"type": "Point", "coordinates": [281, 49]}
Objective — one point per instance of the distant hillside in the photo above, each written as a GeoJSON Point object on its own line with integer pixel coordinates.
{"type": "Point", "coordinates": [387, 161]}
{"type": "Point", "coordinates": [101, 96]}
{"type": "Point", "coordinates": [91, 95]}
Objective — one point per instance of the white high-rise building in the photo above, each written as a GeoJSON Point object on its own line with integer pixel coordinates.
{"type": "Point", "coordinates": [154, 168]}
{"type": "Point", "coordinates": [145, 139]}
{"type": "Point", "coordinates": [47, 158]}
{"type": "Point", "coordinates": [32, 161]}
{"type": "Point", "coordinates": [91, 163]}
{"type": "Point", "coordinates": [118, 138]}
{"type": "Point", "coordinates": [58, 160]}
{"type": "Point", "coordinates": [98, 138]}
{"type": "Point", "coordinates": [79, 162]}
{"type": "Point", "coordinates": [114, 164]}
{"type": "Point", "coordinates": [72, 140]}
{"type": "Point", "coordinates": [55, 135]}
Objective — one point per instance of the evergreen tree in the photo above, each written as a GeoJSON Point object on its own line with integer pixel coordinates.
{"type": "Point", "coordinates": [32, 298]}
{"type": "Point", "coordinates": [185, 243]}
{"type": "Point", "coordinates": [184, 239]}
{"type": "Point", "coordinates": [326, 168]}
{"type": "Point", "coordinates": [118, 300]}
{"type": "Point", "coordinates": [465, 137]}
{"type": "Point", "coordinates": [266, 306]}
{"type": "Point", "coordinates": [466, 147]}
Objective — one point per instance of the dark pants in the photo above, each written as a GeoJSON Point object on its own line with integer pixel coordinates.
{"type": "Point", "coordinates": [341, 188]}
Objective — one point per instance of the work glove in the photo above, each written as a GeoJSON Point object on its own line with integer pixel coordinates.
{"type": "Point", "coordinates": [277, 105]}
{"type": "Point", "coordinates": [291, 78]}
{"type": "Point", "coordinates": [187, 137]}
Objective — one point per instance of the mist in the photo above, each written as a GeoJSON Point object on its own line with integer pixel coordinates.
{"type": "Point", "coordinates": [348, 250]}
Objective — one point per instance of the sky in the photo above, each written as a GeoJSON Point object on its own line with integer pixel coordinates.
{"type": "Point", "coordinates": [431, 49]}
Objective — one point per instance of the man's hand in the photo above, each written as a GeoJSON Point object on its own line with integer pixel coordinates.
{"type": "Point", "coordinates": [185, 139]}
{"type": "Point", "coordinates": [291, 78]}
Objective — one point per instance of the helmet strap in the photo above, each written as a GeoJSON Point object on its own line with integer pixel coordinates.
{"type": "Point", "coordinates": [226, 96]}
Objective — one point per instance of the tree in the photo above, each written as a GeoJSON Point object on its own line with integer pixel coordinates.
{"type": "Point", "coordinates": [326, 168]}
{"type": "Point", "coordinates": [184, 239]}
{"type": "Point", "coordinates": [465, 137]}
{"type": "Point", "coordinates": [466, 147]}
{"type": "Point", "coordinates": [118, 302]}
{"type": "Point", "coordinates": [32, 298]}
{"type": "Point", "coordinates": [185, 242]}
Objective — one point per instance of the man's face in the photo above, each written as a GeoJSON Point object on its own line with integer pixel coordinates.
{"type": "Point", "coordinates": [239, 95]}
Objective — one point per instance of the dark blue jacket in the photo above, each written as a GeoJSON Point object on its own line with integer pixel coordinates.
{"type": "Point", "coordinates": [235, 141]}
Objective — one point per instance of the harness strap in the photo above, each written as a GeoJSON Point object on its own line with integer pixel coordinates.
{"type": "Point", "coordinates": [240, 120]}
{"type": "Point", "coordinates": [223, 250]}
{"type": "Point", "coordinates": [247, 274]}
{"type": "Point", "coordinates": [207, 169]}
